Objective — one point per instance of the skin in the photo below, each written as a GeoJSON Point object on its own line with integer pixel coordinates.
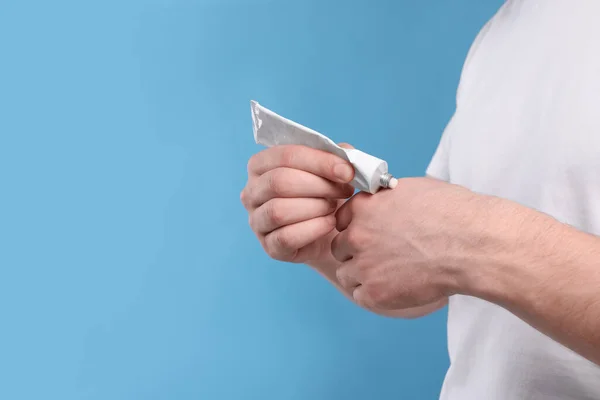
{"type": "Point", "coordinates": [403, 252]}
{"type": "Point", "coordinates": [291, 197]}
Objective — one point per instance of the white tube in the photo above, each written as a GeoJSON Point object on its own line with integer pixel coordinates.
{"type": "Point", "coordinates": [271, 129]}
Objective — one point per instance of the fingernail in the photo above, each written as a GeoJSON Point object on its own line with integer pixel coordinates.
{"type": "Point", "coordinates": [343, 172]}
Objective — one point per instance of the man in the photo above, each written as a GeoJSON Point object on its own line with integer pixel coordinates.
{"type": "Point", "coordinates": [503, 226]}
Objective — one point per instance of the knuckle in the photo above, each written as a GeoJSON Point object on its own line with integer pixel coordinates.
{"type": "Point", "coordinates": [244, 198]}
{"type": "Point", "coordinates": [341, 276]}
{"type": "Point", "coordinates": [329, 164]}
{"type": "Point", "coordinates": [275, 183]}
{"type": "Point", "coordinates": [360, 199]}
{"type": "Point", "coordinates": [270, 249]}
{"type": "Point", "coordinates": [274, 253]}
{"type": "Point", "coordinates": [355, 238]}
{"type": "Point", "coordinates": [271, 252]}
{"type": "Point", "coordinates": [256, 223]}
{"type": "Point", "coordinates": [278, 253]}
{"type": "Point", "coordinates": [280, 242]}
{"type": "Point", "coordinates": [247, 196]}
{"type": "Point", "coordinates": [376, 297]}
{"type": "Point", "coordinates": [334, 246]}
{"type": "Point", "coordinates": [252, 163]}
{"type": "Point", "coordinates": [283, 241]}
{"type": "Point", "coordinates": [274, 212]}
{"type": "Point", "coordinates": [288, 156]}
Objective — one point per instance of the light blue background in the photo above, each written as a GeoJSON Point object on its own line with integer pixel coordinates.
{"type": "Point", "coordinates": [127, 270]}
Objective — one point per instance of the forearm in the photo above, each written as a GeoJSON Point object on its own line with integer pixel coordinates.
{"type": "Point", "coordinates": [543, 271]}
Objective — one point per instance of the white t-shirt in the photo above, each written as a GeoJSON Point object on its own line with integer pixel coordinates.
{"type": "Point", "coordinates": [526, 128]}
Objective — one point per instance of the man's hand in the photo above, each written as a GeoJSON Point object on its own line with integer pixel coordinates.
{"type": "Point", "coordinates": [291, 196]}
{"type": "Point", "coordinates": [396, 246]}
{"type": "Point", "coordinates": [426, 240]}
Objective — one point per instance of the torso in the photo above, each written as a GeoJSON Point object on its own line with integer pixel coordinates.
{"type": "Point", "coordinates": [527, 128]}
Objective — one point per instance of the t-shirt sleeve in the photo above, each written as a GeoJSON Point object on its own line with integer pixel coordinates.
{"type": "Point", "coordinates": [439, 165]}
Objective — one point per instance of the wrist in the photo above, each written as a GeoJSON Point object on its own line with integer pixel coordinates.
{"type": "Point", "coordinates": [504, 250]}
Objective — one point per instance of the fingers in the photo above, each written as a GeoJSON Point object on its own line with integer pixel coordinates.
{"type": "Point", "coordinates": [341, 249]}
{"type": "Point", "coordinates": [293, 183]}
{"type": "Point", "coordinates": [316, 162]}
{"type": "Point", "coordinates": [361, 297]}
{"type": "Point", "coordinates": [279, 212]}
{"type": "Point", "coordinates": [291, 194]}
{"type": "Point", "coordinates": [311, 252]}
{"type": "Point", "coordinates": [347, 276]}
{"type": "Point", "coordinates": [284, 243]}
{"type": "Point", "coordinates": [345, 213]}
{"type": "Point", "coordinates": [344, 216]}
